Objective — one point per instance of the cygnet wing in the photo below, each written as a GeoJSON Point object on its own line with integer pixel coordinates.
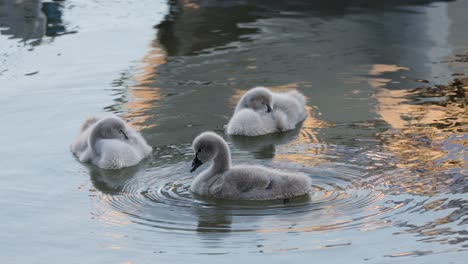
{"type": "Point", "coordinates": [248, 178]}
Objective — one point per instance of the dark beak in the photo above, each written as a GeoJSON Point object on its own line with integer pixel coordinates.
{"type": "Point", "coordinates": [196, 163]}
{"type": "Point", "coordinates": [268, 108]}
{"type": "Point", "coordinates": [125, 135]}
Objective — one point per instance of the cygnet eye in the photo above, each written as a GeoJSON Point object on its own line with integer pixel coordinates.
{"type": "Point", "coordinates": [199, 150]}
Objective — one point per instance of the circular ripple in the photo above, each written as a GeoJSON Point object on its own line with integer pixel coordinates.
{"type": "Point", "coordinates": [352, 189]}
{"type": "Point", "coordinates": [160, 198]}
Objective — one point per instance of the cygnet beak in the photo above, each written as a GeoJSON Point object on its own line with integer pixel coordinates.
{"type": "Point", "coordinates": [196, 163]}
{"type": "Point", "coordinates": [268, 108]}
{"type": "Point", "coordinates": [125, 135]}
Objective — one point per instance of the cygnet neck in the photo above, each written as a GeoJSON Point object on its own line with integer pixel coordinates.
{"type": "Point", "coordinates": [242, 104]}
{"type": "Point", "coordinates": [222, 160]}
{"type": "Point", "coordinates": [95, 136]}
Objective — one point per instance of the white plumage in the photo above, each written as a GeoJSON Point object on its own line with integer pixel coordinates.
{"type": "Point", "coordinates": [242, 182]}
{"type": "Point", "coordinates": [260, 112]}
{"type": "Point", "coordinates": [109, 143]}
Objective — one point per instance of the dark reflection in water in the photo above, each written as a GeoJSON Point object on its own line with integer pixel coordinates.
{"type": "Point", "coordinates": [195, 26]}
{"type": "Point", "coordinates": [54, 23]}
{"type": "Point", "coordinates": [326, 50]}
{"type": "Point", "coordinates": [203, 33]}
{"type": "Point", "coordinates": [263, 147]}
{"type": "Point", "coordinates": [113, 181]}
{"type": "Point", "coordinates": [213, 220]}
{"type": "Point", "coordinates": [31, 20]}
{"type": "Point", "coordinates": [22, 20]}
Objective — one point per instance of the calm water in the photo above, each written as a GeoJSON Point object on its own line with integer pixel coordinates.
{"type": "Point", "coordinates": [384, 148]}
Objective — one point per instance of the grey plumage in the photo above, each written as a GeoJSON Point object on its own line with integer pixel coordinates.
{"type": "Point", "coordinates": [109, 143]}
{"type": "Point", "coordinates": [242, 182]}
{"type": "Point", "coordinates": [260, 112]}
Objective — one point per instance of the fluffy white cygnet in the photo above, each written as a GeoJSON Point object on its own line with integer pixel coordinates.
{"type": "Point", "coordinates": [109, 143]}
{"type": "Point", "coordinates": [242, 182]}
{"type": "Point", "coordinates": [261, 111]}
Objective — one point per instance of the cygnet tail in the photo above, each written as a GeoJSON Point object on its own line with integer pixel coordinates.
{"type": "Point", "coordinates": [300, 185]}
{"type": "Point", "coordinates": [298, 95]}
{"type": "Point", "coordinates": [139, 143]}
{"type": "Point", "coordinates": [81, 143]}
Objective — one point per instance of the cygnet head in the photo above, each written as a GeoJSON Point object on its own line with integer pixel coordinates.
{"type": "Point", "coordinates": [258, 99]}
{"type": "Point", "coordinates": [112, 127]}
{"type": "Point", "coordinates": [206, 147]}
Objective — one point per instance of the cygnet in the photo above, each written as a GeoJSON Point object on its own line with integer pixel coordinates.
{"type": "Point", "coordinates": [261, 111]}
{"type": "Point", "coordinates": [242, 182]}
{"type": "Point", "coordinates": [109, 143]}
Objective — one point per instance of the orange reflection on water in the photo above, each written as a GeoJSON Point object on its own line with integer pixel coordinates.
{"type": "Point", "coordinates": [317, 228]}
{"type": "Point", "coordinates": [378, 69]}
{"type": "Point", "coordinates": [188, 4]}
{"type": "Point", "coordinates": [375, 79]}
{"type": "Point", "coordinates": [115, 247]}
{"type": "Point", "coordinates": [112, 217]}
{"type": "Point", "coordinates": [427, 134]}
{"type": "Point", "coordinates": [409, 253]}
{"type": "Point", "coordinates": [311, 123]}
{"type": "Point", "coordinates": [397, 110]}
{"type": "Point", "coordinates": [307, 137]}
{"type": "Point", "coordinates": [142, 97]}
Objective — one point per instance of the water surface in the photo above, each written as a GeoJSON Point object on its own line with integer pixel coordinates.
{"type": "Point", "coordinates": [383, 141]}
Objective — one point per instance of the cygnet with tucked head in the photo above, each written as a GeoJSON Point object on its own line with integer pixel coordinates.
{"type": "Point", "coordinates": [261, 111]}
{"type": "Point", "coordinates": [242, 182]}
{"type": "Point", "coordinates": [257, 99]}
{"type": "Point", "coordinates": [110, 143]}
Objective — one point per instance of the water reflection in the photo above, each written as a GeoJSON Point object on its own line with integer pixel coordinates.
{"type": "Point", "coordinates": [54, 23]}
{"type": "Point", "coordinates": [263, 147]}
{"type": "Point", "coordinates": [30, 21]}
{"type": "Point", "coordinates": [381, 155]}
{"type": "Point", "coordinates": [427, 135]}
{"type": "Point", "coordinates": [144, 97]}
{"type": "Point", "coordinates": [14, 24]}
{"type": "Point", "coordinates": [113, 181]}
{"type": "Point", "coordinates": [137, 101]}
{"type": "Point", "coordinates": [217, 25]}
{"type": "Point", "coordinates": [285, 45]}
{"type": "Point", "coordinates": [428, 141]}
{"type": "Point", "coordinates": [188, 21]}
{"type": "Point", "coordinates": [213, 220]}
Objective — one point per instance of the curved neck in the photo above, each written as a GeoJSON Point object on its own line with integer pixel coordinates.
{"type": "Point", "coordinates": [242, 104]}
{"type": "Point", "coordinates": [222, 161]}
{"type": "Point", "coordinates": [94, 137]}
